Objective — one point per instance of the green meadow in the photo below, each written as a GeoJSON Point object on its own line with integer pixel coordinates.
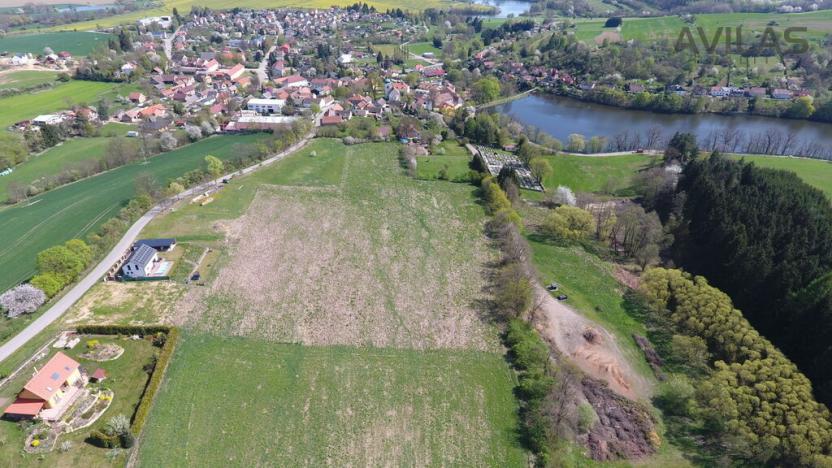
{"type": "Point", "coordinates": [245, 402]}
{"type": "Point", "coordinates": [608, 174]}
{"type": "Point", "coordinates": [27, 106]}
{"type": "Point", "coordinates": [78, 43]}
{"type": "Point", "coordinates": [815, 172]}
{"type": "Point", "coordinates": [25, 79]}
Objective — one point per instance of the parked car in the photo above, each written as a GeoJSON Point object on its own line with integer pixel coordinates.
{"type": "Point", "coordinates": [562, 297]}
{"type": "Point", "coordinates": [552, 287]}
{"type": "Point", "coordinates": [195, 277]}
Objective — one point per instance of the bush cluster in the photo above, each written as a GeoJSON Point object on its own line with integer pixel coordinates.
{"type": "Point", "coordinates": [530, 356]}
{"type": "Point", "coordinates": [60, 265]}
{"type": "Point", "coordinates": [754, 393]}
{"type": "Point", "coordinates": [140, 330]}
{"type": "Point", "coordinates": [497, 201]}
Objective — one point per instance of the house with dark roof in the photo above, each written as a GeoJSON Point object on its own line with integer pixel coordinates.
{"type": "Point", "coordinates": [160, 245]}
{"type": "Point", "coordinates": [140, 263]}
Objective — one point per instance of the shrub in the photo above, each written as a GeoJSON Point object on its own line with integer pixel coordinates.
{"type": "Point", "coordinates": [23, 299]}
{"type": "Point", "coordinates": [127, 440]}
{"type": "Point", "coordinates": [35, 442]}
{"type": "Point", "coordinates": [117, 425]}
{"type": "Point", "coordinates": [529, 350]}
{"type": "Point", "coordinates": [676, 396]}
{"type": "Point", "coordinates": [49, 283]}
{"type": "Point", "coordinates": [586, 417]}
{"type": "Point", "coordinates": [122, 329]}
{"type": "Point", "coordinates": [100, 439]}
{"type": "Point", "coordinates": [569, 223]}
{"type": "Point", "coordinates": [92, 344]}
{"type": "Point", "coordinates": [613, 22]}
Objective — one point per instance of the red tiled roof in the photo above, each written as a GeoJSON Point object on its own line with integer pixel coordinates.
{"type": "Point", "coordinates": [52, 376]}
{"type": "Point", "coordinates": [331, 120]}
{"type": "Point", "coordinates": [25, 407]}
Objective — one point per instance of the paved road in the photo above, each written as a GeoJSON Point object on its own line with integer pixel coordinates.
{"type": "Point", "coordinates": [261, 69]}
{"type": "Point", "coordinates": [168, 43]}
{"type": "Point", "coordinates": [94, 276]}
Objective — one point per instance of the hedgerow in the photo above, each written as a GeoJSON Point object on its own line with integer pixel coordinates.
{"type": "Point", "coordinates": [140, 416]}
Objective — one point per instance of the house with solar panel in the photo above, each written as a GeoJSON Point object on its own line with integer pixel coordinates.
{"type": "Point", "coordinates": [141, 262]}
{"type": "Point", "coordinates": [50, 391]}
{"type": "Point", "coordinates": [144, 260]}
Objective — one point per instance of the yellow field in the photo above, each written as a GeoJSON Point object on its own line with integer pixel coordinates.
{"type": "Point", "coordinates": [184, 7]}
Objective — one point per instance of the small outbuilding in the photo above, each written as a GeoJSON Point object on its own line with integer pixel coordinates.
{"type": "Point", "coordinates": [159, 245]}
{"type": "Point", "coordinates": [98, 376]}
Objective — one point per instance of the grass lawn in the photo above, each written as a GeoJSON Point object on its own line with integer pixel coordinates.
{"type": "Point", "coordinates": [125, 377]}
{"type": "Point", "coordinates": [385, 49]}
{"type": "Point", "coordinates": [245, 402]}
{"type": "Point", "coordinates": [610, 174]}
{"type": "Point", "coordinates": [814, 172]}
{"type": "Point", "coordinates": [24, 79]}
{"type": "Point", "coordinates": [27, 106]}
{"type": "Point", "coordinates": [194, 223]}
{"type": "Point", "coordinates": [420, 48]}
{"type": "Point", "coordinates": [77, 43]}
{"type": "Point", "coordinates": [77, 209]}
{"type": "Point", "coordinates": [455, 162]}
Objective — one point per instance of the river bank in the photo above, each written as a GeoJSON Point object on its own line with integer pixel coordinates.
{"type": "Point", "coordinates": [627, 129]}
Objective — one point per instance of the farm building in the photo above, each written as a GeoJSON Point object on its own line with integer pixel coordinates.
{"type": "Point", "coordinates": [141, 261]}
{"type": "Point", "coordinates": [265, 106]}
{"type": "Point", "coordinates": [51, 388]}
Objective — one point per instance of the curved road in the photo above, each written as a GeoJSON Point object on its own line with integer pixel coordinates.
{"type": "Point", "coordinates": [95, 275]}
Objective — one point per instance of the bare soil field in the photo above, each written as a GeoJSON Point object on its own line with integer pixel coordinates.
{"type": "Point", "coordinates": [379, 260]}
{"type": "Point", "coordinates": [126, 304]}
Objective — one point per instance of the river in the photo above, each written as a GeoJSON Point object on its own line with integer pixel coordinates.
{"type": "Point", "coordinates": [627, 129]}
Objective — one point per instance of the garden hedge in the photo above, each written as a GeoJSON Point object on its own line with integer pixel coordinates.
{"type": "Point", "coordinates": [122, 329]}
{"type": "Point", "coordinates": [155, 381]}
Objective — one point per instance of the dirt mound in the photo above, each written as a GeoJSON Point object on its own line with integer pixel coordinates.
{"type": "Point", "coordinates": [592, 348]}
{"type": "Point", "coordinates": [624, 430]}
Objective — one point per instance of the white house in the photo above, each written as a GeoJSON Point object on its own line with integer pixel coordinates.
{"type": "Point", "coordinates": [265, 106]}
{"type": "Point", "coordinates": [48, 119]}
{"type": "Point", "coordinates": [164, 21]}
{"type": "Point", "coordinates": [140, 263]}
{"type": "Point", "coordinates": [22, 59]}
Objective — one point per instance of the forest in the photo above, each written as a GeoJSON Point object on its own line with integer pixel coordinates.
{"type": "Point", "coordinates": [765, 238]}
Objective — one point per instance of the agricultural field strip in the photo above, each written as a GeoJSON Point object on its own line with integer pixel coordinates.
{"type": "Point", "coordinates": [56, 310]}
